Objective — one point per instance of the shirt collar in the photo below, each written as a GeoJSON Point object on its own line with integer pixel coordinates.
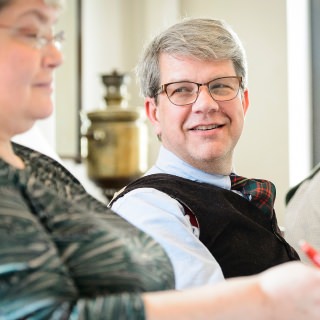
{"type": "Point", "coordinates": [168, 162]}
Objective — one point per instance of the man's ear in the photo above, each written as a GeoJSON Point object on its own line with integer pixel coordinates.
{"type": "Point", "coordinates": [245, 101]}
{"type": "Point", "coordinates": [152, 112]}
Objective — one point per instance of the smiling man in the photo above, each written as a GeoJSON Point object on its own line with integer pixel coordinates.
{"type": "Point", "coordinates": [212, 223]}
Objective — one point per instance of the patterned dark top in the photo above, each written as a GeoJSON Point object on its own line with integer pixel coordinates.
{"type": "Point", "coordinates": [64, 255]}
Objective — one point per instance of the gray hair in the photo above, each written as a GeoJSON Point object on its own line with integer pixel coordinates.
{"type": "Point", "coordinates": [204, 39]}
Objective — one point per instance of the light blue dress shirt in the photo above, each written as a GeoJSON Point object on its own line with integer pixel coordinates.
{"type": "Point", "coordinates": [163, 218]}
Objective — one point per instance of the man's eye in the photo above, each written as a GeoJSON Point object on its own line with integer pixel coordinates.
{"type": "Point", "coordinates": [218, 86]}
{"type": "Point", "coordinates": [221, 88]}
{"type": "Point", "coordinates": [183, 90]}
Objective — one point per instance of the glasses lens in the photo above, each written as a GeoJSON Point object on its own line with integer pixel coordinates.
{"type": "Point", "coordinates": [44, 40]}
{"type": "Point", "coordinates": [224, 89]}
{"type": "Point", "coordinates": [58, 39]}
{"type": "Point", "coordinates": [182, 93]}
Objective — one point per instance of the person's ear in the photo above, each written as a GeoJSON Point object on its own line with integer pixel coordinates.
{"type": "Point", "coordinates": [152, 112]}
{"type": "Point", "coordinates": [245, 101]}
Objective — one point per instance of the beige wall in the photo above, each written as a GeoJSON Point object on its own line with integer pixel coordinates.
{"type": "Point", "coordinates": [115, 31]}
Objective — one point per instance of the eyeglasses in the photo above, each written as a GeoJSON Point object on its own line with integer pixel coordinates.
{"type": "Point", "coordinates": [37, 38]}
{"type": "Point", "coordinates": [186, 92]}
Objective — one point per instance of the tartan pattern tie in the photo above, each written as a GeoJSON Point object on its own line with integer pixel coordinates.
{"type": "Point", "coordinates": [261, 193]}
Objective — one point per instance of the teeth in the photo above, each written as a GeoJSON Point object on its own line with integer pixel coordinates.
{"type": "Point", "coordinates": [207, 127]}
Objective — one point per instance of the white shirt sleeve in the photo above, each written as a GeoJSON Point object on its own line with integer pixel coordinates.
{"type": "Point", "coordinates": [162, 217]}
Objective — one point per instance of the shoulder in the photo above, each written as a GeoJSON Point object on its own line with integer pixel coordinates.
{"type": "Point", "coordinates": [46, 171]}
{"type": "Point", "coordinates": [164, 183]}
{"type": "Point", "coordinates": [308, 184]}
{"type": "Point", "coordinates": [145, 198]}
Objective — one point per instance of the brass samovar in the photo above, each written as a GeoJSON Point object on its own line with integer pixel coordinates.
{"type": "Point", "coordinates": [116, 138]}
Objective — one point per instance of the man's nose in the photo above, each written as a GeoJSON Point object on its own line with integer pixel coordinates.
{"type": "Point", "coordinates": [205, 101]}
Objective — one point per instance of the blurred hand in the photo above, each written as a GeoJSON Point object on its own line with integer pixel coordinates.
{"type": "Point", "coordinates": [295, 289]}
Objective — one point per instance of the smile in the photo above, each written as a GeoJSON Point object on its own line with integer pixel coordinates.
{"type": "Point", "coordinates": [204, 128]}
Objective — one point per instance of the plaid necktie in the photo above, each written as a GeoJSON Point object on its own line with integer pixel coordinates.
{"type": "Point", "coordinates": [261, 193]}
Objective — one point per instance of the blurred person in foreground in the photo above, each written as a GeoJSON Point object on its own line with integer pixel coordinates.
{"type": "Point", "coordinates": [302, 215]}
{"type": "Point", "coordinates": [64, 255]}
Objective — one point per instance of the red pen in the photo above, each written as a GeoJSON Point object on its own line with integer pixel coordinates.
{"type": "Point", "coordinates": [311, 252]}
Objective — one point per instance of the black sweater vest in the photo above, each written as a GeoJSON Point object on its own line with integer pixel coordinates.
{"type": "Point", "coordinates": [239, 235]}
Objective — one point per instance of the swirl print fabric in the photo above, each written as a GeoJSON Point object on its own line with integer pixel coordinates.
{"type": "Point", "coordinates": [64, 255]}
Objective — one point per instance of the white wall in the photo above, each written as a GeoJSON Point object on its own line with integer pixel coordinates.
{"type": "Point", "coordinates": [115, 31]}
{"type": "Point", "coordinates": [299, 90]}
{"type": "Point", "coordinates": [66, 85]}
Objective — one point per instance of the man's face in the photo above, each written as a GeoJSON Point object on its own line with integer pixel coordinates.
{"type": "Point", "coordinates": [205, 133]}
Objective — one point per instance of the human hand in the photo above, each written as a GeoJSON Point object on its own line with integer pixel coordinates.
{"type": "Point", "coordinates": [294, 291]}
